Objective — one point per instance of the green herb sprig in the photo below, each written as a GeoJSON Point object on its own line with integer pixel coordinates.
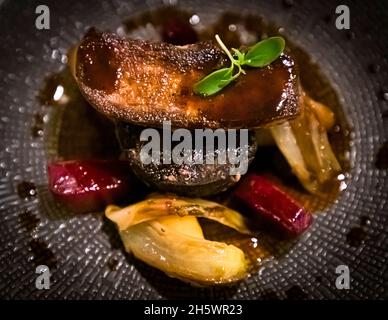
{"type": "Point", "coordinates": [260, 55]}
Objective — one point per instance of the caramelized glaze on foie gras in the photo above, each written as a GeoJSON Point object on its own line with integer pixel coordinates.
{"type": "Point", "coordinates": [145, 83]}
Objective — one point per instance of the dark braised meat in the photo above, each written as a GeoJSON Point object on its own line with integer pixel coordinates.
{"type": "Point", "coordinates": [145, 83]}
{"type": "Point", "coordinates": [193, 180]}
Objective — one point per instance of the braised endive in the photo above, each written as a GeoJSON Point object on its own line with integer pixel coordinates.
{"type": "Point", "coordinates": [163, 231]}
{"type": "Point", "coordinates": [305, 144]}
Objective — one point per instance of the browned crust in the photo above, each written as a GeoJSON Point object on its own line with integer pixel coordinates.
{"type": "Point", "coordinates": [146, 83]}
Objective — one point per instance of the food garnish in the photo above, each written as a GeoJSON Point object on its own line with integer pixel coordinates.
{"type": "Point", "coordinates": [260, 55]}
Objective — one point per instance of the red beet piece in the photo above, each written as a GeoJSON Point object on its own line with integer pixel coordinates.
{"type": "Point", "coordinates": [263, 197]}
{"type": "Point", "coordinates": [89, 185]}
{"type": "Point", "coordinates": [178, 32]}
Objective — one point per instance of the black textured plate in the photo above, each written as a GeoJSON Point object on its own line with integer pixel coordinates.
{"type": "Point", "coordinates": [84, 253]}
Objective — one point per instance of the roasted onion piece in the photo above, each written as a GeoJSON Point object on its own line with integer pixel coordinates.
{"type": "Point", "coordinates": [163, 232]}
{"type": "Point", "coordinates": [144, 83]}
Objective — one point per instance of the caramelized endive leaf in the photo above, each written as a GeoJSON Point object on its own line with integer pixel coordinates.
{"type": "Point", "coordinates": [304, 143]}
{"type": "Point", "coordinates": [169, 205]}
{"type": "Point", "coordinates": [163, 231]}
{"type": "Point", "coordinates": [191, 259]}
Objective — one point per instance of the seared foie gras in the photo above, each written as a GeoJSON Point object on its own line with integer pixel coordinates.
{"type": "Point", "coordinates": [146, 83]}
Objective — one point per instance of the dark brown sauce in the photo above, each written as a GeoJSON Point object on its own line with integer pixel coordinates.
{"type": "Point", "coordinates": [228, 27]}
{"type": "Point", "coordinates": [47, 93]}
{"type": "Point", "coordinates": [42, 254]}
{"type": "Point", "coordinates": [38, 125]}
{"type": "Point", "coordinates": [26, 190]}
{"type": "Point", "coordinates": [28, 220]}
{"type": "Point", "coordinates": [157, 17]}
{"type": "Point", "coordinates": [356, 236]}
{"type": "Point", "coordinates": [53, 94]}
{"type": "Point", "coordinates": [100, 72]}
{"type": "Point", "coordinates": [77, 130]}
{"type": "Point", "coordinates": [113, 264]}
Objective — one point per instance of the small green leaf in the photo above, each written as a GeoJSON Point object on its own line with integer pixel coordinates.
{"type": "Point", "coordinates": [214, 82]}
{"type": "Point", "coordinates": [240, 56]}
{"type": "Point", "coordinates": [264, 52]}
{"type": "Point", "coordinates": [260, 55]}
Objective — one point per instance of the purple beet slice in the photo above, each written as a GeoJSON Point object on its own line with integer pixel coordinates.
{"type": "Point", "coordinates": [266, 199]}
{"type": "Point", "coordinates": [89, 185]}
